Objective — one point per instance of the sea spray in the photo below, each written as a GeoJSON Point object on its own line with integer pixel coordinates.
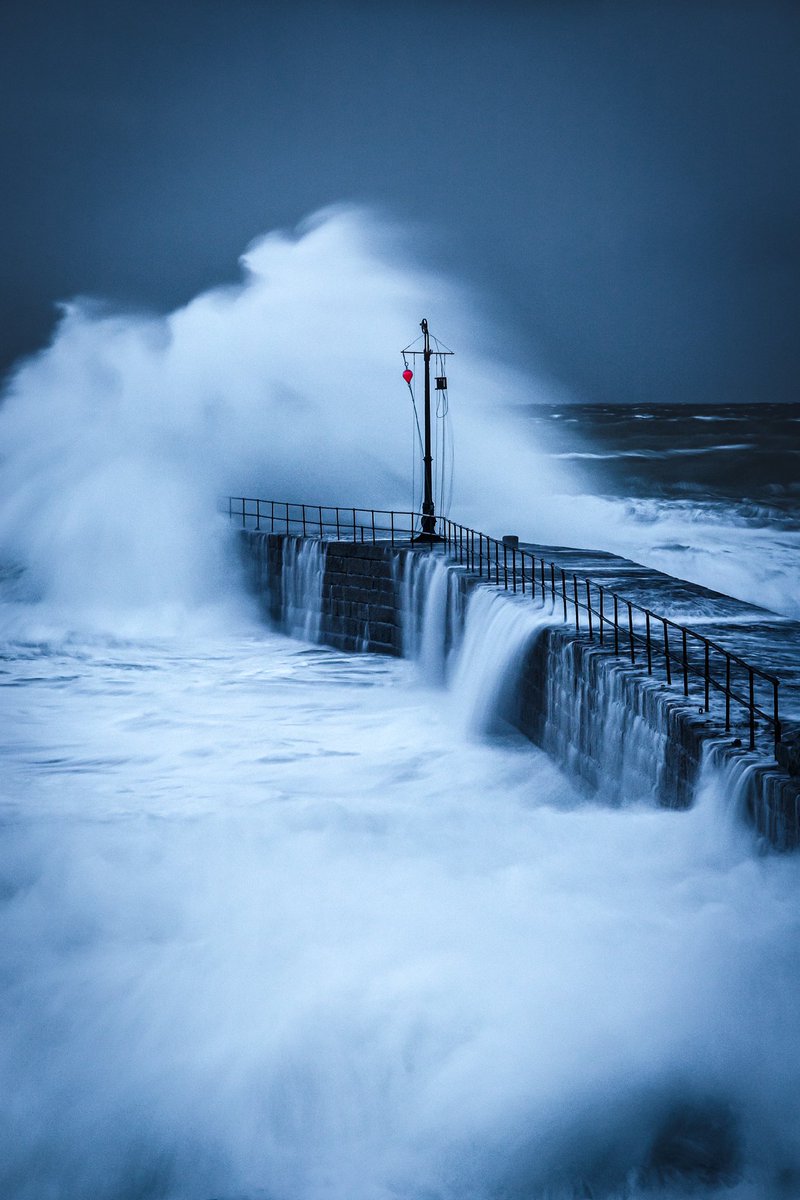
{"type": "Point", "coordinates": [119, 439]}
{"type": "Point", "coordinates": [499, 631]}
{"type": "Point", "coordinates": [302, 577]}
{"type": "Point", "coordinates": [749, 792]}
{"type": "Point", "coordinates": [432, 599]}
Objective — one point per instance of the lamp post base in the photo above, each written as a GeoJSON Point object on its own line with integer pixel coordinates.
{"type": "Point", "coordinates": [426, 538]}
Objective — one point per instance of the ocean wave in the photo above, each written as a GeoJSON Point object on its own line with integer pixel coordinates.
{"type": "Point", "coordinates": [673, 452]}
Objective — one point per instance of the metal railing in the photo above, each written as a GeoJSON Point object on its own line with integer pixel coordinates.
{"type": "Point", "coordinates": [680, 654]}
{"type": "Point", "coordinates": [631, 630]}
{"type": "Point", "coordinates": [324, 520]}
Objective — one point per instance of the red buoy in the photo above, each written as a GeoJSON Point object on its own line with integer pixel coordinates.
{"type": "Point", "coordinates": [408, 375]}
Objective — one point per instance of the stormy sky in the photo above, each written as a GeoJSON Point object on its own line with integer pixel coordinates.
{"type": "Point", "coordinates": [618, 179]}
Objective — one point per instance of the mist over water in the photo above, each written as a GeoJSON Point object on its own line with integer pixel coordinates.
{"type": "Point", "coordinates": [279, 923]}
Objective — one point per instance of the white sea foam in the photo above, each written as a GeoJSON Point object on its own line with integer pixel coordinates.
{"type": "Point", "coordinates": [272, 927]}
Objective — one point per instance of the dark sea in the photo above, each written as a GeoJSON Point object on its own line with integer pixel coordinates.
{"type": "Point", "coordinates": [708, 494]}
{"type": "Point", "coordinates": [747, 456]}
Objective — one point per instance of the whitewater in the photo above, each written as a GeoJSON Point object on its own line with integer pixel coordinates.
{"type": "Point", "coordinates": [281, 923]}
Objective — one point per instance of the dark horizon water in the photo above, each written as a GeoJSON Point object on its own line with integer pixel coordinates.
{"type": "Point", "coordinates": [745, 454]}
{"type": "Point", "coordinates": [707, 494]}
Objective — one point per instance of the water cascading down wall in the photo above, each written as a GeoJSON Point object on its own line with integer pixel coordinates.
{"type": "Point", "coordinates": [511, 663]}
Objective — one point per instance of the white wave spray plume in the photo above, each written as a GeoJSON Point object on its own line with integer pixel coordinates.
{"type": "Point", "coordinates": [121, 436]}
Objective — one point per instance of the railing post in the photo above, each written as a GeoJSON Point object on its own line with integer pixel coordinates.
{"type": "Point", "coordinates": [355, 536]}
{"type": "Point", "coordinates": [496, 566]}
{"type": "Point", "coordinates": [258, 514]}
{"type": "Point", "coordinates": [727, 693]}
{"type": "Point", "coordinates": [513, 569]}
{"type": "Point", "coordinates": [272, 516]}
{"type": "Point", "coordinates": [649, 651]}
{"type": "Point", "coordinates": [505, 566]}
{"type": "Point", "coordinates": [480, 555]}
{"type": "Point", "coordinates": [752, 711]}
{"type": "Point", "coordinates": [667, 662]}
{"type": "Point", "coordinates": [589, 609]}
{"type": "Point", "coordinates": [553, 583]}
{"type": "Point", "coordinates": [303, 511]}
{"type": "Point", "coordinates": [544, 589]}
{"type": "Point", "coordinates": [616, 623]}
{"type": "Point", "coordinates": [338, 530]}
{"type": "Point", "coordinates": [564, 591]}
{"type": "Point", "coordinates": [321, 534]}
{"type": "Point", "coordinates": [372, 511]}
{"type": "Point", "coordinates": [522, 561]}
{"type": "Point", "coordinates": [775, 717]}
{"type": "Point", "coordinates": [575, 597]}
{"type": "Point", "coordinates": [630, 630]}
{"type": "Point", "coordinates": [287, 518]}
{"type": "Point", "coordinates": [602, 601]}
{"type": "Point", "coordinates": [230, 508]}
{"type": "Point", "coordinates": [391, 524]}
{"type": "Point", "coordinates": [707, 669]}
{"type": "Point", "coordinates": [685, 664]}
{"type": "Point", "coordinates": [244, 513]}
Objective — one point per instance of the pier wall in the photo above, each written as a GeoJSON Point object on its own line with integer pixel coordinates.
{"type": "Point", "coordinates": [599, 717]}
{"type": "Point", "coordinates": [357, 591]}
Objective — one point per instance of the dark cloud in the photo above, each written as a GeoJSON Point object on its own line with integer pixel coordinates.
{"type": "Point", "coordinates": [619, 179]}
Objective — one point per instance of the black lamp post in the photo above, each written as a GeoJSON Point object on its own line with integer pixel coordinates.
{"type": "Point", "coordinates": [428, 520]}
{"type": "Point", "coordinates": [428, 512]}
